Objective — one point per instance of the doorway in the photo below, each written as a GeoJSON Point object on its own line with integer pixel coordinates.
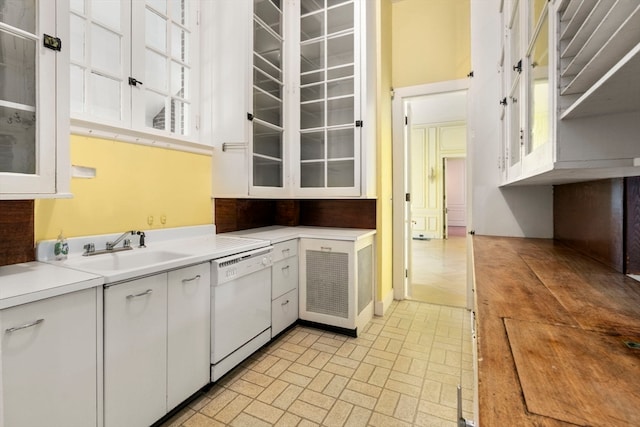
{"type": "Point", "coordinates": [424, 251]}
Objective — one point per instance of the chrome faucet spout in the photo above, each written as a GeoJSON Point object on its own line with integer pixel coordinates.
{"type": "Point", "coordinates": [112, 245]}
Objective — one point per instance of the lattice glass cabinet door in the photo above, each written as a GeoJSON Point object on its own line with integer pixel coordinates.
{"type": "Point", "coordinates": [27, 87]}
{"type": "Point", "coordinates": [268, 91]}
{"type": "Point", "coordinates": [18, 47]}
{"type": "Point", "coordinates": [329, 104]}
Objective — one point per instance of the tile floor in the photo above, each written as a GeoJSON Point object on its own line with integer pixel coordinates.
{"type": "Point", "coordinates": [439, 271]}
{"type": "Point", "coordinates": [402, 370]}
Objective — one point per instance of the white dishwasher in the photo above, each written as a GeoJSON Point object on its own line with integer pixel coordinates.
{"type": "Point", "coordinates": [240, 307]}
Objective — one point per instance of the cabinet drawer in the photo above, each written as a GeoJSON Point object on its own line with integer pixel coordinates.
{"type": "Point", "coordinates": [285, 250]}
{"type": "Point", "coordinates": [284, 312]}
{"type": "Point", "coordinates": [284, 277]}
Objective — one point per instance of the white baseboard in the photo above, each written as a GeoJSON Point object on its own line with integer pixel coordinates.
{"type": "Point", "coordinates": [382, 306]}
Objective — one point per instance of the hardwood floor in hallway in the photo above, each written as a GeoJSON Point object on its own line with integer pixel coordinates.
{"type": "Point", "coordinates": [439, 271]}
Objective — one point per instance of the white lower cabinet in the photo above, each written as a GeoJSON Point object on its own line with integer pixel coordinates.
{"type": "Point", "coordinates": [284, 286]}
{"type": "Point", "coordinates": [50, 361]}
{"type": "Point", "coordinates": [156, 344]}
{"type": "Point", "coordinates": [284, 312]}
{"type": "Point", "coordinates": [336, 282]}
{"type": "Point", "coordinates": [135, 352]}
{"type": "Point", "coordinates": [188, 332]}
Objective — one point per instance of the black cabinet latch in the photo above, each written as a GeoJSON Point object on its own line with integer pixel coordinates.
{"type": "Point", "coordinates": [50, 42]}
{"type": "Point", "coordinates": [470, 75]}
{"type": "Point", "coordinates": [503, 101]}
{"type": "Point", "coordinates": [250, 117]}
{"type": "Point", "coordinates": [359, 123]}
{"type": "Point", "coordinates": [134, 82]}
{"type": "Point", "coordinates": [518, 67]}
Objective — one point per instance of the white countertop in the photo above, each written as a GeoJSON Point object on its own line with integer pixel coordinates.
{"type": "Point", "coordinates": [32, 281]}
{"type": "Point", "coordinates": [277, 233]}
{"type": "Point", "coordinates": [46, 278]}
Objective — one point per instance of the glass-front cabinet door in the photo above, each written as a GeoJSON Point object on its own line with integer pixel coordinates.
{"type": "Point", "coordinates": [267, 172]}
{"type": "Point", "coordinates": [329, 114]}
{"type": "Point", "coordinates": [31, 124]}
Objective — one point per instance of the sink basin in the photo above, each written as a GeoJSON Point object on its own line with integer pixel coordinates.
{"type": "Point", "coordinates": [120, 261]}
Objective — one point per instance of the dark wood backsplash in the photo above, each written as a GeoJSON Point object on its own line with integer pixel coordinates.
{"type": "Point", "coordinates": [17, 231]}
{"type": "Point", "coordinates": [632, 225]}
{"type": "Point", "coordinates": [589, 217]}
{"type": "Point", "coordinates": [242, 214]}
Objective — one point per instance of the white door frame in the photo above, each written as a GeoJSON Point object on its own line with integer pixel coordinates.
{"type": "Point", "coordinates": [400, 97]}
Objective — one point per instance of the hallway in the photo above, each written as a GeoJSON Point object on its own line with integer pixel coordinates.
{"type": "Point", "coordinates": [439, 271]}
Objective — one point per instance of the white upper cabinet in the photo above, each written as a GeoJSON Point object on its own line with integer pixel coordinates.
{"type": "Point", "coordinates": [34, 120]}
{"type": "Point", "coordinates": [135, 70]}
{"type": "Point", "coordinates": [289, 111]}
{"type": "Point", "coordinates": [571, 90]}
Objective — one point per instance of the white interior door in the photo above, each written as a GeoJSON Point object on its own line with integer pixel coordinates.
{"type": "Point", "coordinates": [407, 206]}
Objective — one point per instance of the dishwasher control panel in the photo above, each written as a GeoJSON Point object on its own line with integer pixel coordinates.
{"type": "Point", "coordinates": [229, 268]}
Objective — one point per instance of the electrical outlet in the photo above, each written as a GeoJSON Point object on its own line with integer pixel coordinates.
{"type": "Point", "coordinates": [150, 220]}
{"type": "Point", "coordinates": [163, 219]}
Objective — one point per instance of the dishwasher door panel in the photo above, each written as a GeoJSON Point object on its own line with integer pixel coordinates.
{"type": "Point", "coordinates": [241, 309]}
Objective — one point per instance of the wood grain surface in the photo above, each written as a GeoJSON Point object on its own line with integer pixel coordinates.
{"type": "Point", "coordinates": [632, 225]}
{"type": "Point", "coordinates": [577, 376]}
{"type": "Point", "coordinates": [16, 231]}
{"type": "Point", "coordinates": [544, 283]}
{"type": "Point", "coordinates": [588, 216]}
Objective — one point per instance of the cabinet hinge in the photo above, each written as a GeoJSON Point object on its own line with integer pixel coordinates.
{"type": "Point", "coordinates": [250, 117]}
{"type": "Point", "coordinates": [470, 75]}
{"type": "Point", "coordinates": [359, 123]}
{"type": "Point", "coordinates": [406, 272]}
{"type": "Point", "coordinates": [406, 120]}
{"type": "Point", "coordinates": [51, 42]}
{"type": "Point", "coordinates": [503, 101]}
{"type": "Point", "coordinates": [407, 197]}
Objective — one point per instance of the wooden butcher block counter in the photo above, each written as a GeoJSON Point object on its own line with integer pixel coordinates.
{"type": "Point", "coordinates": [556, 332]}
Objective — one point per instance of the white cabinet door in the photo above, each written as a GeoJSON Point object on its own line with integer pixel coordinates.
{"type": "Point", "coordinates": [326, 278]}
{"type": "Point", "coordinates": [284, 311]}
{"type": "Point", "coordinates": [34, 121]}
{"type": "Point", "coordinates": [330, 60]}
{"type": "Point", "coordinates": [284, 276]}
{"type": "Point", "coordinates": [291, 115]}
{"type": "Point", "coordinates": [135, 348]}
{"type": "Point", "coordinates": [337, 279]}
{"type": "Point", "coordinates": [49, 362]}
{"type": "Point", "coordinates": [189, 326]}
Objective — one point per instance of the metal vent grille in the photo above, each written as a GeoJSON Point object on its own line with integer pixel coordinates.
{"type": "Point", "coordinates": [365, 277]}
{"type": "Point", "coordinates": [328, 283]}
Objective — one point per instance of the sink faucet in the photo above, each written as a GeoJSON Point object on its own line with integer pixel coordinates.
{"type": "Point", "coordinates": [90, 248]}
{"type": "Point", "coordinates": [111, 245]}
{"type": "Point", "coordinates": [127, 242]}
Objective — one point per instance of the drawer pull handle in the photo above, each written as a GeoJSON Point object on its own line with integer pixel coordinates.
{"type": "Point", "coordinates": [286, 267]}
{"type": "Point", "coordinates": [286, 251]}
{"type": "Point", "coordinates": [325, 248]}
{"type": "Point", "coordinates": [141, 294]}
{"type": "Point", "coordinates": [285, 303]}
{"type": "Point", "coordinates": [191, 280]}
{"type": "Point", "coordinates": [26, 325]}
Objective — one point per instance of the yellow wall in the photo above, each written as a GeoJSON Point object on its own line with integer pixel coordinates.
{"type": "Point", "coordinates": [384, 184]}
{"type": "Point", "coordinates": [431, 41]}
{"type": "Point", "coordinates": [132, 183]}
